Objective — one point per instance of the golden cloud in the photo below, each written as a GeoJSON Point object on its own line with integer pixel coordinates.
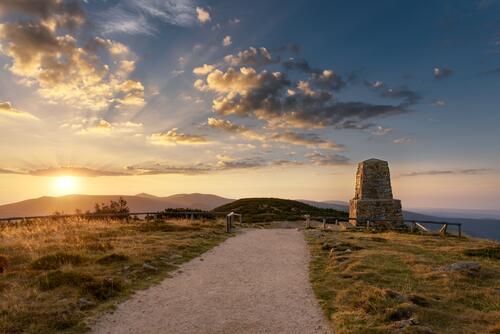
{"type": "Point", "coordinates": [6, 109]}
{"type": "Point", "coordinates": [61, 69]}
{"type": "Point", "coordinates": [172, 137]}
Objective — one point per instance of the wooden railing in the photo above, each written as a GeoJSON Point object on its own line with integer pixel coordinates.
{"type": "Point", "coordinates": [414, 225]}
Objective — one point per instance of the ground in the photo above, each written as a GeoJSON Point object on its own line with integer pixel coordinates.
{"type": "Point", "coordinates": [404, 283]}
{"type": "Point", "coordinates": [256, 282]}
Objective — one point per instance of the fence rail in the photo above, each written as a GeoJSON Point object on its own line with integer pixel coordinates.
{"type": "Point", "coordinates": [413, 224]}
{"type": "Point", "coordinates": [187, 214]}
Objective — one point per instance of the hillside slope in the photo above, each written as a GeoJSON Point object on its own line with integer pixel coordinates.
{"type": "Point", "coordinates": [139, 203]}
{"type": "Point", "coordinates": [274, 209]}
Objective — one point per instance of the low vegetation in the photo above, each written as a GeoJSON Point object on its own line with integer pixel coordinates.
{"type": "Point", "coordinates": [391, 282]}
{"type": "Point", "coordinates": [257, 210]}
{"type": "Point", "coordinates": [55, 274]}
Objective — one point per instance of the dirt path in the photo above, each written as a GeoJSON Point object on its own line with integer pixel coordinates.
{"type": "Point", "coordinates": [256, 282]}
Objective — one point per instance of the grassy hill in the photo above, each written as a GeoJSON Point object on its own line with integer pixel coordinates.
{"type": "Point", "coordinates": [256, 210]}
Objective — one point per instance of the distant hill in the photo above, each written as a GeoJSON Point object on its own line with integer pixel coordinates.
{"type": "Point", "coordinates": [142, 202]}
{"type": "Point", "coordinates": [274, 209]}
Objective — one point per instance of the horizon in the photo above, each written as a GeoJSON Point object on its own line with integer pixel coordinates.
{"type": "Point", "coordinates": [250, 100]}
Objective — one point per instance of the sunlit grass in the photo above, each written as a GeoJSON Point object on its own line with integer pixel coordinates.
{"type": "Point", "coordinates": [395, 277]}
{"type": "Point", "coordinates": [57, 273]}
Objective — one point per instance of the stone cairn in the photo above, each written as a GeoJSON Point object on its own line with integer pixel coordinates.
{"type": "Point", "coordinates": [373, 199]}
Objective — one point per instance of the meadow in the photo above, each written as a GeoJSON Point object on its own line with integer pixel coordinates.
{"type": "Point", "coordinates": [56, 274]}
{"type": "Point", "coordinates": [390, 282]}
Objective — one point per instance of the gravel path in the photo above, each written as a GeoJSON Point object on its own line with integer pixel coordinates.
{"type": "Point", "coordinates": [256, 282]}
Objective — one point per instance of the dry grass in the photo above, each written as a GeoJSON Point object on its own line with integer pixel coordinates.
{"type": "Point", "coordinates": [394, 283]}
{"type": "Point", "coordinates": [54, 274]}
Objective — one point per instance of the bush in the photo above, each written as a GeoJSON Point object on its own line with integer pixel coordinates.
{"type": "Point", "coordinates": [102, 290]}
{"type": "Point", "coordinates": [55, 279]}
{"type": "Point", "coordinates": [489, 252]}
{"type": "Point", "coordinates": [112, 258]}
{"type": "Point", "coordinates": [56, 261]}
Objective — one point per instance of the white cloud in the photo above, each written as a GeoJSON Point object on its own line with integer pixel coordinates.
{"type": "Point", "coordinates": [402, 140]}
{"type": "Point", "coordinates": [138, 16]}
{"type": "Point", "coordinates": [203, 15]}
{"type": "Point", "coordinates": [226, 41]}
{"type": "Point", "coordinates": [381, 131]}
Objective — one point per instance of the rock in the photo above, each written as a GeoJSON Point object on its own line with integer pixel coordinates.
{"type": "Point", "coordinates": [149, 267]}
{"type": "Point", "coordinates": [405, 323]}
{"type": "Point", "coordinates": [471, 268]}
{"type": "Point", "coordinates": [84, 303]}
{"type": "Point", "coordinates": [175, 256]}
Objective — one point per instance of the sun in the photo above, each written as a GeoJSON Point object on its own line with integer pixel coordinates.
{"type": "Point", "coordinates": [65, 184]}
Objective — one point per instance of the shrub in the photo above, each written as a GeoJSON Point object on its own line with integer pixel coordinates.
{"type": "Point", "coordinates": [112, 258]}
{"type": "Point", "coordinates": [102, 290]}
{"type": "Point", "coordinates": [55, 279]}
{"type": "Point", "coordinates": [489, 252]}
{"type": "Point", "coordinates": [56, 261]}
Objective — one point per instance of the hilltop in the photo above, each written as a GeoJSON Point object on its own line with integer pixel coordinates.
{"type": "Point", "coordinates": [274, 209]}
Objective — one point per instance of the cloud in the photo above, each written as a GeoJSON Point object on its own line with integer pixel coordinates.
{"type": "Point", "coordinates": [64, 69]}
{"type": "Point", "coordinates": [321, 159]}
{"type": "Point", "coordinates": [306, 103]}
{"type": "Point", "coordinates": [226, 41]}
{"type": "Point", "coordinates": [101, 127]}
{"type": "Point", "coordinates": [381, 131]}
{"type": "Point", "coordinates": [438, 103]}
{"type": "Point", "coordinates": [472, 171]}
{"type": "Point", "coordinates": [6, 109]}
{"type": "Point", "coordinates": [377, 84]}
{"type": "Point", "coordinates": [54, 13]}
{"type": "Point", "coordinates": [74, 171]}
{"type": "Point", "coordinates": [172, 137]}
{"type": "Point", "coordinates": [442, 73]}
{"type": "Point", "coordinates": [402, 140]}
{"type": "Point", "coordinates": [141, 16]}
{"type": "Point", "coordinates": [203, 70]}
{"type": "Point", "coordinates": [203, 15]}
{"type": "Point", "coordinates": [251, 56]}
{"type": "Point", "coordinates": [408, 96]}
{"type": "Point", "coordinates": [228, 126]}
{"type": "Point", "coordinates": [288, 137]}
{"type": "Point", "coordinates": [305, 139]}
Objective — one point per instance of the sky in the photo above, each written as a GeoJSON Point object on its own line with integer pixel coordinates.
{"type": "Point", "coordinates": [250, 98]}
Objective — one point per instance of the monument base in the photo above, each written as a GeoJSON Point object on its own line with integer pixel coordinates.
{"type": "Point", "coordinates": [378, 211]}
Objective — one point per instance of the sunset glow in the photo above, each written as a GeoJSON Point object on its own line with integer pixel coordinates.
{"type": "Point", "coordinates": [65, 185]}
{"type": "Point", "coordinates": [242, 98]}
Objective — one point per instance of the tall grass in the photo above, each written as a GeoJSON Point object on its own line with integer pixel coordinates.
{"type": "Point", "coordinates": [56, 273]}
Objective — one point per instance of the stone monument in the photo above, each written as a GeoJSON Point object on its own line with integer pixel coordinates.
{"type": "Point", "coordinates": [373, 199]}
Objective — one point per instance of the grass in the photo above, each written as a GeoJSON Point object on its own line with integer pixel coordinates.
{"type": "Point", "coordinates": [391, 282]}
{"type": "Point", "coordinates": [57, 274]}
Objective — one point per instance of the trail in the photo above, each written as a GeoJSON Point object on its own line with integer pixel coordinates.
{"type": "Point", "coordinates": [256, 282]}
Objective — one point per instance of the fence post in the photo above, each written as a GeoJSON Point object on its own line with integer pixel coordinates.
{"type": "Point", "coordinates": [324, 223]}
{"type": "Point", "coordinates": [368, 224]}
{"type": "Point", "coordinates": [308, 222]}
{"type": "Point", "coordinates": [459, 230]}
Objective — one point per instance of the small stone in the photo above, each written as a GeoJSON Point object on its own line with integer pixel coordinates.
{"type": "Point", "coordinates": [418, 300]}
{"type": "Point", "coordinates": [84, 303]}
{"type": "Point", "coordinates": [471, 268]}
{"type": "Point", "coordinates": [399, 313]}
{"type": "Point", "coordinates": [149, 267]}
